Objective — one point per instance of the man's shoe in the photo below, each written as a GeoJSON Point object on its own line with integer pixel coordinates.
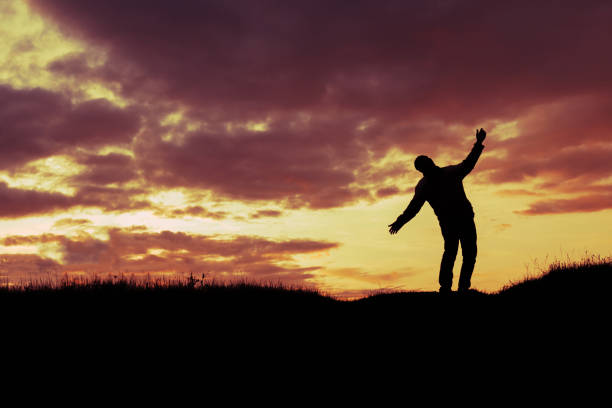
{"type": "Point", "coordinates": [445, 291]}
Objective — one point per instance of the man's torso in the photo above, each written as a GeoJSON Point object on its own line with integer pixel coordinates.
{"type": "Point", "coordinates": [444, 192]}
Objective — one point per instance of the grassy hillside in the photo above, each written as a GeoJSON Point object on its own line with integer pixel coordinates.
{"type": "Point", "coordinates": [564, 286]}
{"type": "Point", "coordinates": [565, 310]}
{"type": "Point", "coordinates": [562, 281]}
{"type": "Point", "coordinates": [588, 278]}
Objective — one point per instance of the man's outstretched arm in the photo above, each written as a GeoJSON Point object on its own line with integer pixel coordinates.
{"type": "Point", "coordinates": [413, 209]}
{"type": "Point", "coordinates": [468, 164]}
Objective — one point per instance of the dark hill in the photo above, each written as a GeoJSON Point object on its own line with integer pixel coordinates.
{"type": "Point", "coordinates": [556, 320]}
{"type": "Point", "coordinates": [573, 284]}
{"type": "Point", "coordinates": [587, 280]}
{"type": "Point", "coordinates": [570, 298]}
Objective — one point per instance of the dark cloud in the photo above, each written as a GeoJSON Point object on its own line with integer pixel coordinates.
{"type": "Point", "coordinates": [387, 191]}
{"type": "Point", "coordinates": [266, 213]}
{"type": "Point", "coordinates": [303, 167]}
{"type": "Point", "coordinates": [111, 198]}
{"type": "Point", "coordinates": [36, 123]}
{"type": "Point", "coordinates": [16, 267]}
{"type": "Point", "coordinates": [26, 117]}
{"type": "Point", "coordinates": [517, 192]}
{"type": "Point", "coordinates": [85, 250]}
{"type": "Point", "coordinates": [581, 171]}
{"type": "Point", "coordinates": [563, 148]}
{"type": "Point", "coordinates": [442, 57]}
{"type": "Point", "coordinates": [16, 202]}
{"type": "Point", "coordinates": [342, 83]}
{"type": "Point", "coordinates": [105, 169]}
{"type": "Point", "coordinates": [567, 139]}
{"type": "Point", "coordinates": [588, 163]}
{"type": "Point", "coordinates": [583, 203]}
{"type": "Point", "coordinates": [192, 211]}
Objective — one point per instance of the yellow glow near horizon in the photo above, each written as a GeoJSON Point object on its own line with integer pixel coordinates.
{"type": "Point", "coordinates": [368, 251]}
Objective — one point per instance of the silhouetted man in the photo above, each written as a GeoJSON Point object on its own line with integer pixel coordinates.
{"type": "Point", "coordinates": [442, 187]}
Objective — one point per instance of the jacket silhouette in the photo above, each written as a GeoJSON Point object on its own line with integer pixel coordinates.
{"type": "Point", "coordinates": [442, 188]}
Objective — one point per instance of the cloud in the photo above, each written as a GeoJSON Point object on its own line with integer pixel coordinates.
{"type": "Point", "coordinates": [581, 172]}
{"type": "Point", "coordinates": [16, 202]}
{"type": "Point", "coordinates": [303, 167]}
{"type": "Point", "coordinates": [387, 191]}
{"type": "Point", "coordinates": [568, 138]}
{"type": "Point", "coordinates": [584, 203]}
{"type": "Point", "coordinates": [430, 57]}
{"type": "Point", "coordinates": [139, 252]}
{"type": "Point", "coordinates": [71, 222]}
{"type": "Point", "coordinates": [111, 198]}
{"type": "Point", "coordinates": [517, 192]}
{"type": "Point", "coordinates": [563, 148]}
{"type": "Point", "coordinates": [588, 163]}
{"type": "Point", "coordinates": [340, 85]}
{"type": "Point", "coordinates": [15, 267]}
{"type": "Point", "coordinates": [192, 211]}
{"type": "Point", "coordinates": [359, 275]}
{"type": "Point", "coordinates": [35, 123]}
{"type": "Point", "coordinates": [199, 211]}
{"type": "Point", "coordinates": [266, 213]}
{"type": "Point", "coordinates": [112, 168]}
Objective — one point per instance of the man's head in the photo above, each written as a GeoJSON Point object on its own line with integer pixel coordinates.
{"type": "Point", "coordinates": [424, 164]}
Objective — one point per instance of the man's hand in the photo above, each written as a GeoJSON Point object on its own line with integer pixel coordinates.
{"type": "Point", "coordinates": [480, 135]}
{"type": "Point", "coordinates": [395, 227]}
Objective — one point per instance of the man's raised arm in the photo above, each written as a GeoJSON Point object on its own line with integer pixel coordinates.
{"type": "Point", "coordinates": [413, 209]}
{"type": "Point", "coordinates": [468, 164]}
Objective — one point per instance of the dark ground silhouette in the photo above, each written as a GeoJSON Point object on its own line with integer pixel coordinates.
{"type": "Point", "coordinates": [564, 288]}
{"type": "Point", "coordinates": [442, 188]}
{"type": "Point", "coordinates": [554, 321]}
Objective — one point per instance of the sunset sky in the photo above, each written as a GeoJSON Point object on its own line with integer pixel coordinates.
{"type": "Point", "coordinates": [275, 140]}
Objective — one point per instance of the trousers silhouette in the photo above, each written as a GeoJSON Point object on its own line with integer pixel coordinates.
{"type": "Point", "coordinates": [454, 232]}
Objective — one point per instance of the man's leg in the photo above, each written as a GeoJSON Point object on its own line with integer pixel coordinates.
{"type": "Point", "coordinates": [451, 245]}
{"type": "Point", "coordinates": [467, 236]}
